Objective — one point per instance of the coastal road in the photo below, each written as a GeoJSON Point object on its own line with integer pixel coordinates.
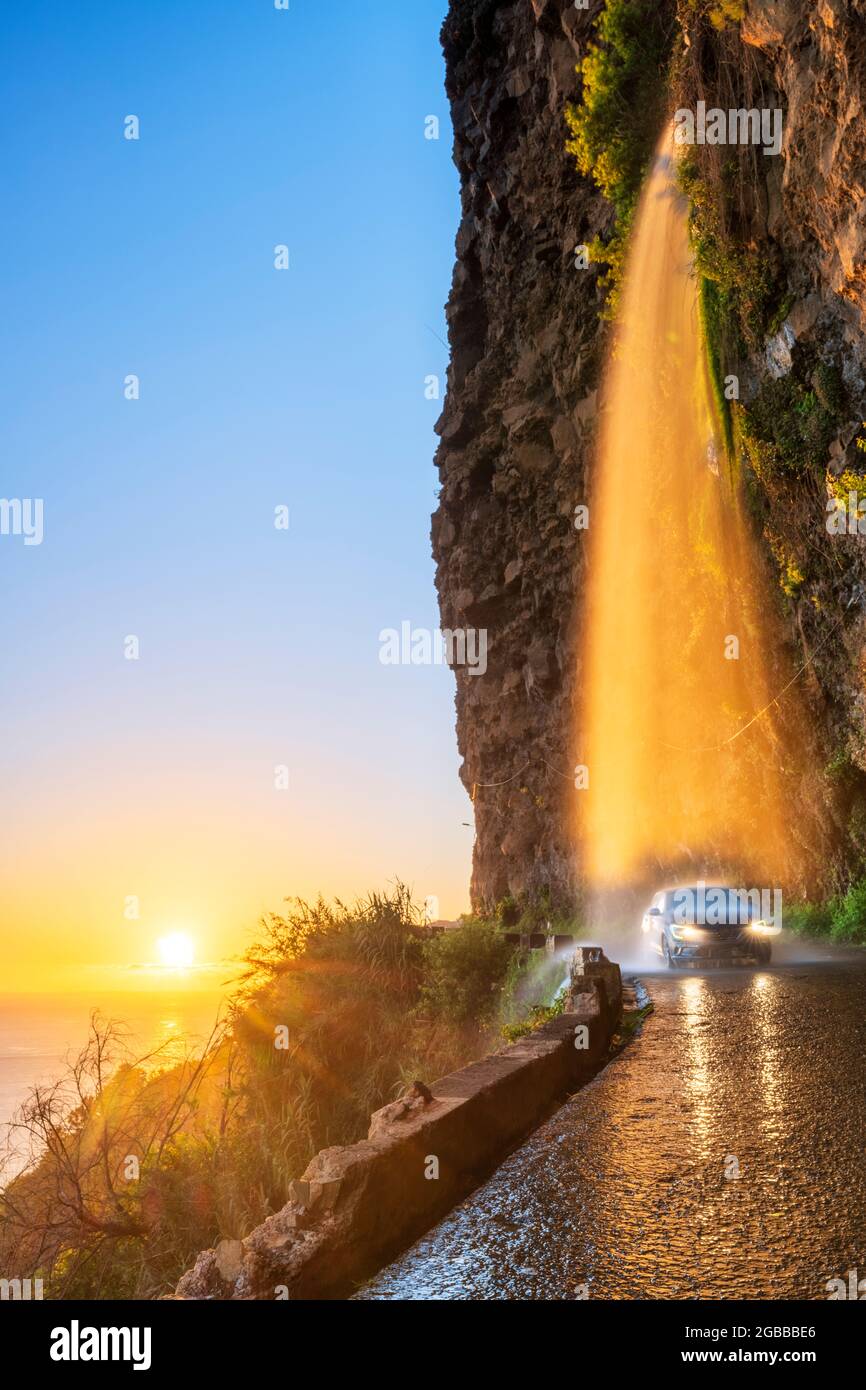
{"type": "Point", "coordinates": [722, 1154]}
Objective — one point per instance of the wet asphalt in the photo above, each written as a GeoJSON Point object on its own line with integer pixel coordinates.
{"type": "Point", "coordinates": [721, 1155]}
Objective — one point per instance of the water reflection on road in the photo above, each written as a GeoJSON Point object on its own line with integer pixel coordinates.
{"type": "Point", "coordinates": [631, 1188]}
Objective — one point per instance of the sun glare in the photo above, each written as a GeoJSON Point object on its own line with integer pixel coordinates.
{"type": "Point", "coordinates": [176, 950]}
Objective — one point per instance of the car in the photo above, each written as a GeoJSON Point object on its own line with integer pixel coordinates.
{"type": "Point", "coordinates": [696, 924]}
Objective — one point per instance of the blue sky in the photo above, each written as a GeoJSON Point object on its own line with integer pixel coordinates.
{"type": "Point", "coordinates": [258, 388]}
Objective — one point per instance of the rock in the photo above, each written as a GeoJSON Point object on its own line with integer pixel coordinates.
{"type": "Point", "coordinates": [204, 1280]}
{"type": "Point", "coordinates": [398, 1112]}
{"type": "Point", "coordinates": [777, 352]}
{"type": "Point", "coordinates": [517, 414]}
{"type": "Point", "coordinates": [590, 971]}
{"type": "Point", "coordinates": [802, 316]}
{"type": "Point", "coordinates": [324, 1196]}
{"type": "Point", "coordinates": [229, 1260]}
{"type": "Point", "coordinates": [519, 83]}
{"type": "Point", "coordinates": [586, 409]}
{"type": "Point", "coordinates": [513, 570]}
{"type": "Point", "coordinates": [447, 533]}
{"type": "Point", "coordinates": [563, 435]}
{"type": "Point", "coordinates": [532, 459]}
{"type": "Point", "coordinates": [768, 23]}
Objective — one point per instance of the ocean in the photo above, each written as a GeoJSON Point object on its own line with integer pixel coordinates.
{"type": "Point", "coordinates": [38, 1032]}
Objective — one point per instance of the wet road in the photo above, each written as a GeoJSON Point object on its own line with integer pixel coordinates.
{"type": "Point", "coordinates": [630, 1189]}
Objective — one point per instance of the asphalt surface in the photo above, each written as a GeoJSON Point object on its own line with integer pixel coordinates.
{"type": "Point", "coordinates": [631, 1190]}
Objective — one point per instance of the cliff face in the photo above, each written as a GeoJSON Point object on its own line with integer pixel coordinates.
{"type": "Point", "coordinates": [815, 58]}
{"type": "Point", "coordinates": [516, 429]}
{"type": "Point", "coordinates": [515, 457]}
{"type": "Point", "coordinates": [809, 220]}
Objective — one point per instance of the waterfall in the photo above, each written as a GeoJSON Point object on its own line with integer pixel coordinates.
{"type": "Point", "coordinates": [682, 776]}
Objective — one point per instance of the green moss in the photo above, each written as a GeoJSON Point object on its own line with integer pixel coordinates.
{"type": "Point", "coordinates": [710, 312]}
{"type": "Point", "coordinates": [857, 823]}
{"type": "Point", "coordinates": [840, 767]}
{"type": "Point", "coordinates": [787, 430]}
{"type": "Point", "coordinates": [535, 912]}
{"type": "Point", "coordinates": [828, 387]}
{"type": "Point", "coordinates": [538, 1015]}
{"type": "Point", "coordinates": [632, 1020]}
{"type": "Point", "coordinates": [747, 296]}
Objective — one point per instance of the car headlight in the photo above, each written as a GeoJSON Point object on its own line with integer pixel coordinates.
{"type": "Point", "coordinates": [764, 928]}
{"type": "Point", "coordinates": [686, 933]}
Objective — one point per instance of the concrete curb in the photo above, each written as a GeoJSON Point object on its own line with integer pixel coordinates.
{"type": "Point", "coordinates": [357, 1207]}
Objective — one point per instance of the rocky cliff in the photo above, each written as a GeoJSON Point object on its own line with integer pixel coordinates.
{"type": "Point", "coordinates": [516, 431]}
{"type": "Point", "coordinates": [527, 343]}
{"type": "Point", "coordinates": [811, 218]}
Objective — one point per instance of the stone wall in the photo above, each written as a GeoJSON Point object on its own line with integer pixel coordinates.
{"type": "Point", "coordinates": [357, 1207]}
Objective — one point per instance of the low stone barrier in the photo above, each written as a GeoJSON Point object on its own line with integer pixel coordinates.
{"type": "Point", "coordinates": [357, 1207]}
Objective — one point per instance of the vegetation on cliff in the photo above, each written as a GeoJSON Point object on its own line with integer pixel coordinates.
{"type": "Point", "coordinates": [841, 918]}
{"type": "Point", "coordinates": [615, 125]}
{"type": "Point", "coordinates": [790, 401]}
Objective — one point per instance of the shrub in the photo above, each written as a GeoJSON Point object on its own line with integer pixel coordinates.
{"type": "Point", "coordinates": [807, 919]}
{"type": "Point", "coordinates": [465, 973]}
{"type": "Point", "coordinates": [615, 125]}
{"type": "Point", "coordinates": [787, 428]}
{"type": "Point", "coordinates": [538, 1015]}
{"type": "Point", "coordinates": [848, 914]}
{"type": "Point", "coordinates": [371, 999]}
{"type": "Point", "coordinates": [745, 289]}
{"type": "Point", "coordinates": [721, 13]}
{"type": "Point", "coordinates": [791, 577]}
{"type": "Point", "coordinates": [842, 918]}
{"type": "Point", "coordinates": [845, 484]}
{"type": "Point", "coordinates": [828, 387]}
{"type": "Point", "coordinates": [782, 414]}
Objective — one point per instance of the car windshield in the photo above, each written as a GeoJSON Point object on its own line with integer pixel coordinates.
{"type": "Point", "coordinates": [712, 906]}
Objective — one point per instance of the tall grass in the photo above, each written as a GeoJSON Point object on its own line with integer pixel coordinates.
{"type": "Point", "coordinates": [339, 1009]}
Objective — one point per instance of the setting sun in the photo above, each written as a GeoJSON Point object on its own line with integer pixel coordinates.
{"type": "Point", "coordinates": [176, 950]}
